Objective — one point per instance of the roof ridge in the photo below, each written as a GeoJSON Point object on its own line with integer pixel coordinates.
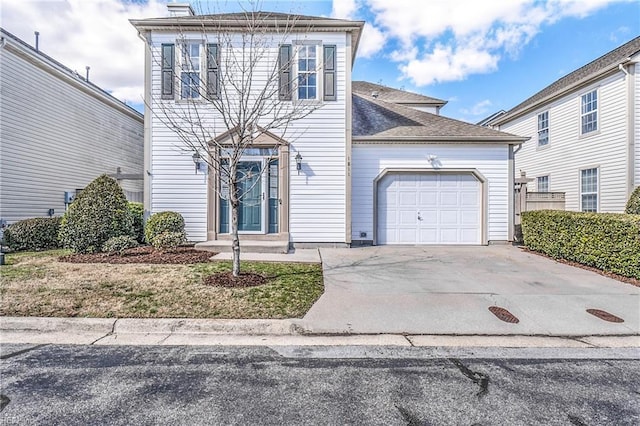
{"type": "Point", "coordinates": [358, 86]}
{"type": "Point", "coordinates": [575, 77]}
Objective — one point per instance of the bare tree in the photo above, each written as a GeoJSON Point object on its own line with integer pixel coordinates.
{"type": "Point", "coordinates": [241, 89]}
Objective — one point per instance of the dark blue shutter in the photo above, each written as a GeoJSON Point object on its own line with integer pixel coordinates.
{"type": "Point", "coordinates": [213, 71]}
{"type": "Point", "coordinates": [329, 67]}
{"type": "Point", "coordinates": [284, 72]}
{"type": "Point", "coordinates": [167, 72]}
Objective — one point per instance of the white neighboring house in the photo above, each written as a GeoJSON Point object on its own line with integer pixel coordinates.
{"type": "Point", "coordinates": [584, 132]}
{"type": "Point", "coordinates": [379, 165]}
{"type": "Point", "coordinates": [58, 132]}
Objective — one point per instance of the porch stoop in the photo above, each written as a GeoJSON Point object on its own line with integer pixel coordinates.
{"type": "Point", "coordinates": [246, 246]}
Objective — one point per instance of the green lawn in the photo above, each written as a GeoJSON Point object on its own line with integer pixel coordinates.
{"type": "Point", "coordinates": [37, 284]}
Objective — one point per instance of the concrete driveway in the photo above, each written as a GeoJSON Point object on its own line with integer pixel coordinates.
{"type": "Point", "coordinates": [448, 290]}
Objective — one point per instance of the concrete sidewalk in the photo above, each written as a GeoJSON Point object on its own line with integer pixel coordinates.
{"type": "Point", "coordinates": [129, 331]}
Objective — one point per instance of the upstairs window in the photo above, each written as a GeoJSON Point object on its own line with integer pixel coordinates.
{"type": "Point", "coordinates": [589, 112]}
{"type": "Point", "coordinates": [542, 183]}
{"type": "Point", "coordinates": [589, 190]}
{"type": "Point", "coordinates": [543, 128]}
{"type": "Point", "coordinates": [190, 64]}
{"type": "Point", "coordinates": [307, 72]}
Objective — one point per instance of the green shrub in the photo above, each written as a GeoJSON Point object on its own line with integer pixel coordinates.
{"type": "Point", "coordinates": [163, 222]}
{"type": "Point", "coordinates": [98, 213]}
{"type": "Point", "coordinates": [607, 241]}
{"type": "Point", "coordinates": [633, 205]}
{"type": "Point", "coordinates": [137, 215]}
{"type": "Point", "coordinates": [39, 233]}
{"type": "Point", "coordinates": [119, 244]}
{"type": "Point", "coordinates": [169, 240]}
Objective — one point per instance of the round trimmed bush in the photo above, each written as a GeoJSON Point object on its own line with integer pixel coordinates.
{"type": "Point", "coordinates": [633, 205]}
{"type": "Point", "coordinates": [163, 222]}
{"type": "Point", "coordinates": [98, 213]}
{"type": "Point", "coordinates": [40, 233]}
{"type": "Point", "coordinates": [119, 244]}
{"type": "Point", "coordinates": [169, 240]}
{"type": "Point", "coordinates": [137, 214]}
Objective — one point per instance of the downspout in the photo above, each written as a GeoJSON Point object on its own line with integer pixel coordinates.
{"type": "Point", "coordinates": [147, 167]}
{"type": "Point", "coordinates": [630, 109]}
{"type": "Point", "coordinates": [3, 41]}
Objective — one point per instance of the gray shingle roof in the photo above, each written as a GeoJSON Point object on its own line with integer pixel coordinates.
{"type": "Point", "coordinates": [599, 66]}
{"type": "Point", "coordinates": [257, 15]}
{"type": "Point", "coordinates": [377, 119]}
{"type": "Point", "coordinates": [390, 94]}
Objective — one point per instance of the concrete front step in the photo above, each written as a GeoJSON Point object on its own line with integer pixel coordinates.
{"type": "Point", "coordinates": [246, 246]}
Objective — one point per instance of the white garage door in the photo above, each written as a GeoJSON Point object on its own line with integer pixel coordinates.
{"type": "Point", "coordinates": [429, 209]}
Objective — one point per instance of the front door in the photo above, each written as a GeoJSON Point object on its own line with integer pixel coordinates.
{"type": "Point", "coordinates": [251, 199]}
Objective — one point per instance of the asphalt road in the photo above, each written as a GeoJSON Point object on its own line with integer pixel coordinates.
{"type": "Point", "coordinates": [127, 385]}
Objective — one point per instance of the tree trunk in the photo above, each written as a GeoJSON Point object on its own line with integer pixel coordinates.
{"type": "Point", "coordinates": [235, 204]}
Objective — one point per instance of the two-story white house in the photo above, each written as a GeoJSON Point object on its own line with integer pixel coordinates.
{"type": "Point", "coordinates": [58, 132]}
{"type": "Point", "coordinates": [369, 164]}
{"type": "Point", "coordinates": [584, 132]}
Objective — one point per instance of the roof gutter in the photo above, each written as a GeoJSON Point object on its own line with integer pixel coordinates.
{"type": "Point", "coordinates": [612, 69]}
{"type": "Point", "coordinates": [509, 140]}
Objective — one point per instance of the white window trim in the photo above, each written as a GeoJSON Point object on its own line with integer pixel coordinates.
{"type": "Point", "coordinates": [180, 44]}
{"type": "Point", "coordinates": [319, 68]}
{"type": "Point", "coordinates": [580, 193]}
{"type": "Point", "coordinates": [539, 146]}
{"type": "Point", "coordinates": [580, 115]}
{"type": "Point", "coordinates": [538, 183]}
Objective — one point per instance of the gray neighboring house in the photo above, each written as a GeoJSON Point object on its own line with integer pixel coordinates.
{"type": "Point", "coordinates": [58, 132]}
{"type": "Point", "coordinates": [585, 133]}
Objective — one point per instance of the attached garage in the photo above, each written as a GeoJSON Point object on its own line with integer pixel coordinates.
{"type": "Point", "coordinates": [415, 207]}
{"type": "Point", "coordinates": [418, 178]}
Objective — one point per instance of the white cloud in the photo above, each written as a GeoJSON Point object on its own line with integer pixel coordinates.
{"type": "Point", "coordinates": [344, 9]}
{"type": "Point", "coordinates": [480, 108]}
{"type": "Point", "coordinates": [96, 33]}
{"type": "Point", "coordinates": [449, 40]}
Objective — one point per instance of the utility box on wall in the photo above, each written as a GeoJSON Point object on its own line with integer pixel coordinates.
{"type": "Point", "coordinates": [69, 197]}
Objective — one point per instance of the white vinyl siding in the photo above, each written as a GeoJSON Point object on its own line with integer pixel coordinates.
{"type": "Point", "coordinates": [570, 152]}
{"type": "Point", "coordinates": [368, 161]}
{"type": "Point", "coordinates": [319, 190]}
{"type": "Point", "coordinates": [57, 135]}
{"type": "Point", "coordinates": [636, 120]}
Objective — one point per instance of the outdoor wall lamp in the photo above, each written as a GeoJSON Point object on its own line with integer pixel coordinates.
{"type": "Point", "coordinates": [196, 160]}
{"type": "Point", "coordinates": [298, 162]}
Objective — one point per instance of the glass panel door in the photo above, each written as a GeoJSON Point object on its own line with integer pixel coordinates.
{"type": "Point", "coordinates": [250, 192]}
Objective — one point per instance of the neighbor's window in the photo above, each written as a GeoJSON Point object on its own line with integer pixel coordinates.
{"type": "Point", "coordinates": [190, 70]}
{"type": "Point", "coordinates": [589, 190]}
{"type": "Point", "coordinates": [589, 112]}
{"type": "Point", "coordinates": [543, 128]}
{"type": "Point", "coordinates": [307, 72]}
{"type": "Point", "coordinates": [543, 183]}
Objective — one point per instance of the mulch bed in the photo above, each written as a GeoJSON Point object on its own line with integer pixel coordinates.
{"type": "Point", "coordinates": [628, 280]}
{"type": "Point", "coordinates": [226, 279]}
{"type": "Point", "coordinates": [144, 254]}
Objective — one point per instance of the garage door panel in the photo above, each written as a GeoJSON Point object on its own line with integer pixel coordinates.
{"type": "Point", "coordinates": [429, 208]}
{"type": "Point", "coordinates": [407, 217]}
{"type": "Point", "coordinates": [469, 199]}
{"type": "Point", "coordinates": [469, 218]}
{"type": "Point", "coordinates": [449, 198]}
{"type": "Point", "coordinates": [408, 198]}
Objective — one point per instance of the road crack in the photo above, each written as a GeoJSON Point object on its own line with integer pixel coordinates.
{"type": "Point", "coordinates": [20, 352]}
{"type": "Point", "coordinates": [409, 417]}
{"type": "Point", "coordinates": [476, 377]}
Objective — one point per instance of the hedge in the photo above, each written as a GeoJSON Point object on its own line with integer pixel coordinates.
{"type": "Point", "coordinates": [137, 214]}
{"type": "Point", "coordinates": [162, 222]}
{"type": "Point", "coordinates": [39, 233]}
{"type": "Point", "coordinates": [633, 205]}
{"type": "Point", "coordinates": [98, 213]}
{"type": "Point", "coordinates": [607, 241]}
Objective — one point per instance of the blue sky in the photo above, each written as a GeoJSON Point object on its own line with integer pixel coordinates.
{"type": "Point", "coordinates": [480, 55]}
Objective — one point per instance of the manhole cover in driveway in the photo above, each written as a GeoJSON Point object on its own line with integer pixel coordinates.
{"type": "Point", "coordinates": [604, 315]}
{"type": "Point", "coordinates": [503, 314]}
